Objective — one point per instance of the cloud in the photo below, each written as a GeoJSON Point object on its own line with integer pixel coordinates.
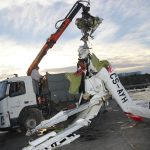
{"type": "Point", "coordinates": [129, 16]}
{"type": "Point", "coordinates": [107, 31]}
{"type": "Point", "coordinates": [31, 22]}
{"type": "Point", "coordinates": [124, 54]}
{"type": "Point", "coordinates": [16, 58]}
{"type": "Point", "coordinates": [18, 3]}
{"type": "Point", "coordinates": [61, 70]}
{"type": "Point", "coordinates": [123, 38]}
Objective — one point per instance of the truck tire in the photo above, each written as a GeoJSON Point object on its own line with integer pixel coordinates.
{"type": "Point", "coordinates": [30, 118]}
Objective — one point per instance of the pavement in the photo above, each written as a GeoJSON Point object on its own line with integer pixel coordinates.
{"type": "Point", "coordinates": [110, 130]}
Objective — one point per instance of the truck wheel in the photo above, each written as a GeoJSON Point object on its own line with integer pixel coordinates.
{"type": "Point", "coordinates": [31, 118]}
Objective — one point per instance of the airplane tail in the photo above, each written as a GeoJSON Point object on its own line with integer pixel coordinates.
{"type": "Point", "coordinates": [113, 84]}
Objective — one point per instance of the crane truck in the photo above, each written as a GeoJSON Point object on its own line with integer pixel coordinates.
{"type": "Point", "coordinates": [20, 105]}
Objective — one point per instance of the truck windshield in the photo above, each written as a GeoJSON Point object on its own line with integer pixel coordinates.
{"type": "Point", "coordinates": [3, 86]}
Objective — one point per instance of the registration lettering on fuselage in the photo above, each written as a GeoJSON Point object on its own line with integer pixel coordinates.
{"type": "Point", "coordinates": [121, 92]}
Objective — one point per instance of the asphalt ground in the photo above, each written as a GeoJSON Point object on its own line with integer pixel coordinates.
{"type": "Point", "coordinates": [110, 130]}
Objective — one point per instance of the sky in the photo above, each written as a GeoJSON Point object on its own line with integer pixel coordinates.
{"type": "Point", "coordinates": [123, 38]}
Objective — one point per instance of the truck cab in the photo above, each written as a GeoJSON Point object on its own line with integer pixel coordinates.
{"type": "Point", "coordinates": [17, 96]}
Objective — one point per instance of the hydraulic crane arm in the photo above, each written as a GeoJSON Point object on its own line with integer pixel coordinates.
{"type": "Point", "coordinates": [54, 37]}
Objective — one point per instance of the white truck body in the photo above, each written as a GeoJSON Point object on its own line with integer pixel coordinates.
{"type": "Point", "coordinates": [12, 104]}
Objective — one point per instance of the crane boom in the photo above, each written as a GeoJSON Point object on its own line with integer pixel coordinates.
{"type": "Point", "coordinates": [54, 37]}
